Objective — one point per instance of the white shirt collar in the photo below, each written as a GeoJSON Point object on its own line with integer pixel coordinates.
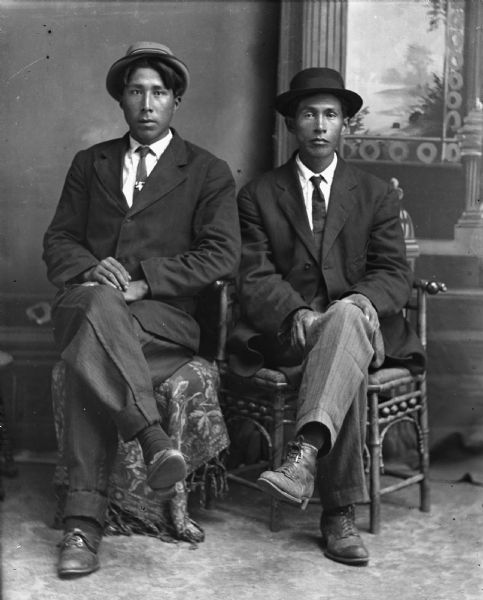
{"type": "Point", "coordinates": [157, 147]}
{"type": "Point", "coordinates": [305, 173]}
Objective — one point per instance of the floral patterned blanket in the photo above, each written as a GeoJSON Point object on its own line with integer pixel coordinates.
{"type": "Point", "coordinates": [191, 415]}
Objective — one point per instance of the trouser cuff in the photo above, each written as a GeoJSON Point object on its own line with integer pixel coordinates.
{"type": "Point", "coordinates": [337, 498]}
{"type": "Point", "coordinates": [131, 420]}
{"type": "Point", "coordinates": [87, 504]}
{"type": "Point", "coordinates": [319, 415]}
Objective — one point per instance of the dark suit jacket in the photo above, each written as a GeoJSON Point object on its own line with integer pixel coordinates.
{"type": "Point", "coordinates": [180, 235]}
{"type": "Point", "coordinates": [363, 252]}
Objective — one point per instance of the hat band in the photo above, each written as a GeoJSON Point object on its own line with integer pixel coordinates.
{"type": "Point", "coordinates": [144, 50]}
{"type": "Point", "coordinates": [317, 83]}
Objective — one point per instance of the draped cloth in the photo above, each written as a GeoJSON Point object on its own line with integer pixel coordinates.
{"type": "Point", "coordinates": [190, 414]}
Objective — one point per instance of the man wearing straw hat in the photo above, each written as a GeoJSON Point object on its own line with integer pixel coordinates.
{"type": "Point", "coordinates": [323, 279]}
{"type": "Point", "coordinates": [143, 225]}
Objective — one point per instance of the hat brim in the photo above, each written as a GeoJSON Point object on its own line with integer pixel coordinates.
{"type": "Point", "coordinates": [115, 76]}
{"type": "Point", "coordinates": [284, 103]}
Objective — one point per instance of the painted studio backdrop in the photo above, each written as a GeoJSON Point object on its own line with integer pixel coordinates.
{"type": "Point", "coordinates": [416, 63]}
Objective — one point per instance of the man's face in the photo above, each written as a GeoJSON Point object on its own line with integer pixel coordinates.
{"type": "Point", "coordinates": [317, 126]}
{"type": "Point", "coordinates": [148, 106]}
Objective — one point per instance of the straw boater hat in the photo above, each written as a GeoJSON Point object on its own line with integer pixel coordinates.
{"type": "Point", "coordinates": [317, 80]}
{"type": "Point", "coordinates": [114, 81]}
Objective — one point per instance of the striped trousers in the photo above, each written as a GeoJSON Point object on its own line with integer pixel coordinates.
{"type": "Point", "coordinates": [333, 392]}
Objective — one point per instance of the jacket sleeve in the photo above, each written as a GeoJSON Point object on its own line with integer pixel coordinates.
{"type": "Point", "coordinates": [214, 252]}
{"type": "Point", "coordinates": [387, 277]}
{"type": "Point", "coordinates": [65, 252]}
{"type": "Point", "coordinates": [267, 299]}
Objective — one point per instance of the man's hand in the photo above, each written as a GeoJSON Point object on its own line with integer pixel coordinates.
{"type": "Point", "coordinates": [366, 306]}
{"type": "Point", "coordinates": [109, 272]}
{"type": "Point", "coordinates": [137, 290]}
{"type": "Point", "coordinates": [303, 320]}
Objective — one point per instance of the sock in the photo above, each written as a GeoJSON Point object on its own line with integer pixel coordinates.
{"type": "Point", "coordinates": [315, 434]}
{"type": "Point", "coordinates": [153, 439]}
{"type": "Point", "coordinates": [90, 527]}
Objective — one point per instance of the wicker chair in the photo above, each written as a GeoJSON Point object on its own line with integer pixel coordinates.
{"type": "Point", "coordinates": [395, 396]}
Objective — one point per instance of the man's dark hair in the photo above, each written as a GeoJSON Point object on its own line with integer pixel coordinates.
{"type": "Point", "coordinates": [171, 78]}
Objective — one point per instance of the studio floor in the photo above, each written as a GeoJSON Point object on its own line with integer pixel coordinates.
{"type": "Point", "coordinates": [417, 556]}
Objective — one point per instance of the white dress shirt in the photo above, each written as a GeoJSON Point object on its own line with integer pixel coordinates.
{"type": "Point", "coordinates": [308, 187]}
{"type": "Point", "coordinates": [131, 161]}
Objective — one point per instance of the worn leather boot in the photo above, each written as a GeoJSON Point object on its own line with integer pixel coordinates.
{"type": "Point", "coordinates": [341, 539]}
{"type": "Point", "coordinates": [294, 479]}
{"type": "Point", "coordinates": [78, 554]}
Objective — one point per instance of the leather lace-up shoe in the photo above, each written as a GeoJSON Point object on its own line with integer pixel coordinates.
{"type": "Point", "coordinates": [341, 539]}
{"type": "Point", "coordinates": [165, 469]}
{"type": "Point", "coordinates": [294, 479]}
{"type": "Point", "coordinates": [78, 554]}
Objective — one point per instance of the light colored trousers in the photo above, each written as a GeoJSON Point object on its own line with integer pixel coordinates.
{"type": "Point", "coordinates": [333, 392]}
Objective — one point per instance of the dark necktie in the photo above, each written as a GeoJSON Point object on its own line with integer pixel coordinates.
{"type": "Point", "coordinates": [318, 213]}
{"type": "Point", "coordinates": [141, 172]}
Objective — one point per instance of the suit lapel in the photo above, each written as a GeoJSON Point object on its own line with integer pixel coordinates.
{"type": "Point", "coordinates": [342, 199]}
{"type": "Point", "coordinates": [292, 204]}
{"type": "Point", "coordinates": [291, 201]}
{"type": "Point", "coordinates": [165, 176]}
{"type": "Point", "coordinates": [108, 166]}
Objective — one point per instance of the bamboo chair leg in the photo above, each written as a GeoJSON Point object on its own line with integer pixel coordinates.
{"type": "Point", "coordinates": [375, 461]}
{"type": "Point", "coordinates": [424, 488]}
{"type": "Point", "coordinates": [278, 448]}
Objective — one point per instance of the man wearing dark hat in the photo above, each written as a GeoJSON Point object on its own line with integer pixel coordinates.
{"type": "Point", "coordinates": [322, 282]}
{"type": "Point", "coordinates": [143, 225]}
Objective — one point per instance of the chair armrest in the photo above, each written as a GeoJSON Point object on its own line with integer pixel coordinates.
{"type": "Point", "coordinates": [221, 287]}
{"type": "Point", "coordinates": [212, 314]}
{"type": "Point", "coordinates": [424, 288]}
{"type": "Point", "coordinates": [429, 287]}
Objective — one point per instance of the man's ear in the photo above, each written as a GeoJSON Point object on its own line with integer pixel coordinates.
{"type": "Point", "coordinates": [345, 125]}
{"type": "Point", "coordinates": [177, 102]}
{"type": "Point", "coordinates": [289, 122]}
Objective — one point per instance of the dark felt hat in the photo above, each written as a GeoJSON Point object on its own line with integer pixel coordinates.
{"type": "Point", "coordinates": [114, 81]}
{"type": "Point", "coordinates": [316, 80]}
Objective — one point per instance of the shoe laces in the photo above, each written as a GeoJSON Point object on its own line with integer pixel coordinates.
{"type": "Point", "coordinates": [348, 526]}
{"type": "Point", "coordinates": [346, 523]}
{"type": "Point", "coordinates": [294, 456]}
{"type": "Point", "coordinates": [75, 538]}
{"type": "Point", "coordinates": [295, 452]}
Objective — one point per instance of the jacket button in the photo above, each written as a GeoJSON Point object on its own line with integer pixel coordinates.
{"type": "Point", "coordinates": [307, 266]}
{"type": "Point", "coordinates": [128, 220]}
